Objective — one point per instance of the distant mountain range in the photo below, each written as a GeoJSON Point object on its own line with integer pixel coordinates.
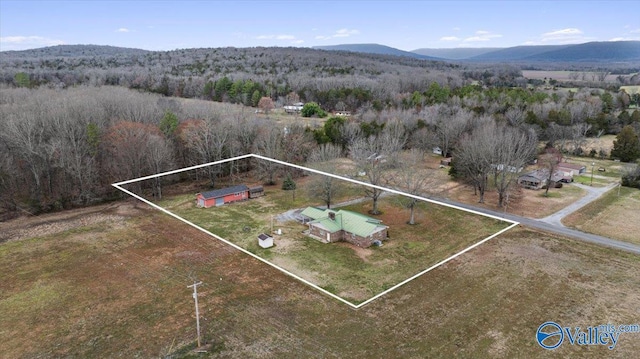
{"type": "Point", "coordinates": [376, 49]}
{"type": "Point", "coordinates": [620, 52]}
{"type": "Point", "coordinates": [76, 51]}
{"type": "Point", "coordinates": [608, 51]}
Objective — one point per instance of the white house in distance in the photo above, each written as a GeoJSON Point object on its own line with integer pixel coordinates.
{"type": "Point", "coordinates": [571, 169]}
{"type": "Point", "coordinates": [295, 108]}
{"type": "Point", "coordinates": [265, 240]}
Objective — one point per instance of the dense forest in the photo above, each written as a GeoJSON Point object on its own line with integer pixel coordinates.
{"type": "Point", "coordinates": [75, 119]}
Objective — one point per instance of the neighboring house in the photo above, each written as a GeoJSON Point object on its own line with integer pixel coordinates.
{"type": "Point", "coordinates": [342, 113]}
{"type": "Point", "coordinates": [295, 108]}
{"type": "Point", "coordinates": [538, 179]}
{"type": "Point", "coordinates": [437, 151]}
{"type": "Point", "coordinates": [265, 240]}
{"type": "Point", "coordinates": [571, 169]}
{"type": "Point", "coordinates": [502, 167]}
{"type": "Point", "coordinates": [332, 226]}
{"type": "Point", "coordinates": [222, 196]}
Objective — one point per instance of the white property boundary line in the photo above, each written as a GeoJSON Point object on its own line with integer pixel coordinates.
{"type": "Point", "coordinates": [118, 185]}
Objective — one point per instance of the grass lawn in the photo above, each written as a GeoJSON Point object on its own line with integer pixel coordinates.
{"type": "Point", "coordinates": [612, 173]}
{"type": "Point", "coordinates": [611, 216]}
{"type": "Point", "coordinates": [356, 274]}
{"type": "Point", "coordinates": [523, 202]}
{"type": "Point", "coordinates": [119, 290]}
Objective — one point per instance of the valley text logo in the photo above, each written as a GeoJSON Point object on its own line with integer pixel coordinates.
{"type": "Point", "coordinates": [551, 335]}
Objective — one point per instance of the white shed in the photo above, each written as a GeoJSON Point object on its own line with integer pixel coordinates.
{"type": "Point", "coordinates": [265, 241]}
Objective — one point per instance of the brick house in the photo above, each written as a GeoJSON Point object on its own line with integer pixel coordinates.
{"type": "Point", "coordinates": [332, 226]}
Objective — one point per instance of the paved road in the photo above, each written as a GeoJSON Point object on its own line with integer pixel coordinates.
{"type": "Point", "coordinates": [555, 228]}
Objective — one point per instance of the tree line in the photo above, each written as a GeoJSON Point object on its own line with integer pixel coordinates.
{"type": "Point", "coordinates": [63, 143]}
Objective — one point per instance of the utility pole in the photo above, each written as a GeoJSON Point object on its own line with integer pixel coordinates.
{"type": "Point", "coordinates": [195, 298]}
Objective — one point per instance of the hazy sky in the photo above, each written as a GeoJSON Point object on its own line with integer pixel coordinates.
{"type": "Point", "coordinates": [407, 25]}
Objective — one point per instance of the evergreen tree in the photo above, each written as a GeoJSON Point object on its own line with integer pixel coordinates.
{"type": "Point", "coordinates": [626, 147]}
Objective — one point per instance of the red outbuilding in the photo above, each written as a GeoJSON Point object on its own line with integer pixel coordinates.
{"type": "Point", "coordinates": [221, 196]}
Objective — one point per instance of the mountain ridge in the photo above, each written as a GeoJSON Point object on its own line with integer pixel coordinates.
{"type": "Point", "coordinates": [596, 52]}
{"type": "Point", "coordinates": [379, 49]}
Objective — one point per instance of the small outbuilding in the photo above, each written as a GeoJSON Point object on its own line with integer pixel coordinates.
{"type": "Point", "coordinates": [222, 196]}
{"type": "Point", "coordinates": [265, 240]}
{"type": "Point", "coordinates": [257, 191]}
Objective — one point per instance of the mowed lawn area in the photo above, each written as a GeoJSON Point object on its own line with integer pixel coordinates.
{"type": "Point", "coordinates": [353, 273]}
{"type": "Point", "coordinates": [118, 288]}
{"type": "Point", "coordinates": [612, 215]}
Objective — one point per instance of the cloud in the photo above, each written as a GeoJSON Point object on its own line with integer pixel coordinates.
{"type": "Point", "coordinates": [449, 38]}
{"type": "Point", "coordinates": [339, 34]}
{"type": "Point", "coordinates": [636, 31]}
{"type": "Point", "coordinates": [562, 33]}
{"type": "Point", "coordinates": [346, 33]}
{"type": "Point", "coordinates": [27, 42]}
{"type": "Point", "coordinates": [482, 36]}
{"type": "Point", "coordinates": [123, 29]}
{"type": "Point", "coordinates": [622, 38]}
{"type": "Point", "coordinates": [275, 37]}
{"type": "Point", "coordinates": [564, 36]}
{"type": "Point", "coordinates": [569, 35]}
{"type": "Point", "coordinates": [283, 37]}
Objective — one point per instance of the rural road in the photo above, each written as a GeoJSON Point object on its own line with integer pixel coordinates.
{"type": "Point", "coordinates": [552, 223]}
{"type": "Point", "coordinates": [592, 195]}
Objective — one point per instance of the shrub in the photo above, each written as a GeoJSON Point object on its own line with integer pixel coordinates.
{"type": "Point", "coordinates": [632, 178]}
{"type": "Point", "coordinates": [312, 109]}
{"type": "Point", "coordinates": [288, 184]}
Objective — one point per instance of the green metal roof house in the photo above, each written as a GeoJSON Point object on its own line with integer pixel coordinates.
{"type": "Point", "coordinates": [332, 226]}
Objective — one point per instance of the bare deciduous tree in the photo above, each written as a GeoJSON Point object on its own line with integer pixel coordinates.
{"type": "Point", "coordinates": [512, 149]}
{"type": "Point", "coordinates": [549, 161]}
{"type": "Point", "coordinates": [411, 180]}
{"type": "Point", "coordinates": [324, 188]}
{"type": "Point", "coordinates": [450, 124]}
{"type": "Point", "coordinates": [269, 144]}
{"type": "Point", "coordinates": [266, 105]}
{"type": "Point", "coordinates": [473, 158]}
{"type": "Point", "coordinates": [370, 155]}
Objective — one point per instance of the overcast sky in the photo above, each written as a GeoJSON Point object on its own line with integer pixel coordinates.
{"type": "Point", "coordinates": [407, 25]}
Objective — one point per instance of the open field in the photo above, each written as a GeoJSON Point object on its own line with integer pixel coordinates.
{"type": "Point", "coordinates": [631, 89]}
{"type": "Point", "coordinates": [565, 75]}
{"type": "Point", "coordinates": [100, 290]}
{"type": "Point", "coordinates": [355, 274]}
{"type": "Point", "coordinates": [277, 115]}
{"type": "Point", "coordinates": [604, 142]}
{"type": "Point", "coordinates": [611, 216]}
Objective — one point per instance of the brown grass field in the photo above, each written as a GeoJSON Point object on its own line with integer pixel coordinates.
{"type": "Point", "coordinates": [563, 75]}
{"type": "Point", "coordinates": [115, 286]}
{"type": "Point", "coordinates": [611, 216]}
